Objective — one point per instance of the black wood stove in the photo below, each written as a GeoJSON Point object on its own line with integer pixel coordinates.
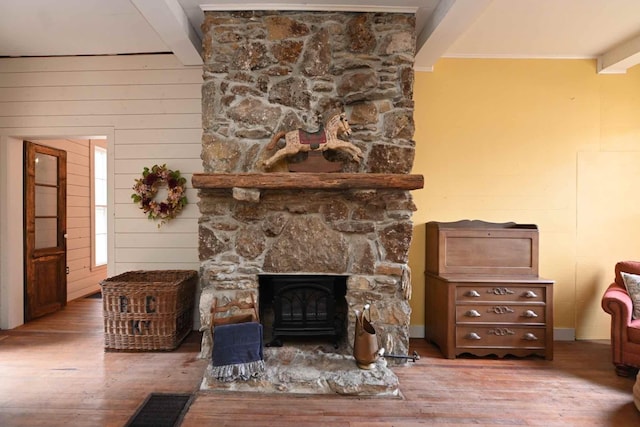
{"type": "Point", "coordinates": [304, 305]}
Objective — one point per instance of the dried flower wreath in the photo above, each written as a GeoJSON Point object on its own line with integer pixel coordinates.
{"type": "Point", "coordinates": [147, 187]}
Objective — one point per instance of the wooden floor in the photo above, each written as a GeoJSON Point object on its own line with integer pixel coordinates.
{"type": "Point", "coordinates": [54, 372]}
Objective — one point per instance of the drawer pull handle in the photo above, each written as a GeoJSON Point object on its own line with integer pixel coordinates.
{"type": "Point", "coordinates": [473, 336]}
{"type": "Point", "coordinates": [472, 293]}
{"type": "Point", "coordinates": [529, 314]}
{"type": "Point", "coordinates": [530, 337]}
{"type": "Point", "coordinates": [472, 313]}
{"type": "Point", "coordinates": [530, 294]}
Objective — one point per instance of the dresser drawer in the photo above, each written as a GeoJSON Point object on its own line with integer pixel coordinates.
{"type": "Point", "coordinates": [501, 313]}
{"type": "Point", "coordinates": [502, 292]}
{"type": "Point", "coordinates": [500, 336]}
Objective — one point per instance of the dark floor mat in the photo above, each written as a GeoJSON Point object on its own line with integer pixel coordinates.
{"type": "Point", "coordinates": [161, 410]}
{"type": "Point", "coordinates": [96, 295]}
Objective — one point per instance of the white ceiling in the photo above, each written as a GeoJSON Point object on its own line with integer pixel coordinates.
{"type": "Point", "coordinates": [608, 30]}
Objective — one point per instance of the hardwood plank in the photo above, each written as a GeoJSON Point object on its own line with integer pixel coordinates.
{"type": "Point", "coordinates": [54, 372]}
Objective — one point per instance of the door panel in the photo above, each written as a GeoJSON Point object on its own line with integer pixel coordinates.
{"type": "Point", "coordinates": [45, 230]}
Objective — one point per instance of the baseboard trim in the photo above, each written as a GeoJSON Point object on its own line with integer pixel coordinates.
{"type": "Point", "coordinates": [564, 334]}
{"type": "Point", "coordinates": [416, 331]}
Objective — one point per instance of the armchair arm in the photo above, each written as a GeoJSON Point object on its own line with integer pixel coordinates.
{"type": "Point", "coordinates": [617, 303]}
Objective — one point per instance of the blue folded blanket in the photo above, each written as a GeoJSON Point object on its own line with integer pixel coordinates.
{"type": "Point", "coordinates": [237, 351]}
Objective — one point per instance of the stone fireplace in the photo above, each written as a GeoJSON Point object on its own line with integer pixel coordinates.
{"type": "Point", "coordinates": [269, 71]}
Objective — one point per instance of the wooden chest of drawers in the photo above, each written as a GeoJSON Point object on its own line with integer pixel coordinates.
{"type": "Point", "coordinates": [484, 316]}
{"type": "Point", "coordinates": [498, 305]}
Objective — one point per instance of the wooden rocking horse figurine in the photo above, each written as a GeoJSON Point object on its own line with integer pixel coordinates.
{"type": "Point", "coordinates": [326, 138]}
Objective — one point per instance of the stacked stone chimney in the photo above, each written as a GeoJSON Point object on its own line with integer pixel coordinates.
{"type": "Point", "coordinates": [270, 71]}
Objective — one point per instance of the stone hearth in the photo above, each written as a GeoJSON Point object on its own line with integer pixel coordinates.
{"type": "Point", "coordinates": [314, 369]}
{"type": "Point", "coordinates": [270, 71]}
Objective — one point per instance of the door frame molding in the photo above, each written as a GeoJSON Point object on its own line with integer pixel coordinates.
{"type": "Point", "coordinates": [11, 214]}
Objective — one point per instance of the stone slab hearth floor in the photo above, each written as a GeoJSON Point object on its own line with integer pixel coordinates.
{"type": "Point", "coordinates": [313, 369]}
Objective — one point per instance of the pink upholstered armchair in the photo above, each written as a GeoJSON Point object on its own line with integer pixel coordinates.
{"type": "Point", "coordinates": [625, 332]}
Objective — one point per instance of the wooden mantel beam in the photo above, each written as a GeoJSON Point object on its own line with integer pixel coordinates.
{"type": "Point", "coordinates": [319, 181]}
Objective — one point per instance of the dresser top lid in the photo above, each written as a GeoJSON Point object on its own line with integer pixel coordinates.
{"type": "Point", "coordinates": [476, 223]}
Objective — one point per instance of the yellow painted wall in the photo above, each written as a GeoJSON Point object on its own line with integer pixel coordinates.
{"type": "Point", "coordinates": [546, 142]}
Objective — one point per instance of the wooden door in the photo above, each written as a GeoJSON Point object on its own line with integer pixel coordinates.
{"type": "Point", "coordinates": [45, 222]}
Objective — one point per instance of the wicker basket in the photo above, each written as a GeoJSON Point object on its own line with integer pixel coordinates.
{"type": "Point", "coordinates": [148, 310]}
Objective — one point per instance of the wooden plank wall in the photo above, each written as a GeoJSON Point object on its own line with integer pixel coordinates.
{"type": "Point", "coordinates": [153, 105]}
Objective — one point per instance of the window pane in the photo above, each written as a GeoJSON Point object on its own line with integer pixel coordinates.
{"type": "Point", "coordinates": [101, 220]}
{"type": "Point", "coordinates": [101, 249]}
{"type": "Point", "coordinates": [100, 192]}
{"type": "Point", "coordinates": [100, 205]}
{"type": "Point", "coordinates": [100, 160]}
{"type": "Point", "coordinates": [46, 169]}
{"type": "Point", "coordinates": [46, 235]}
{"type": "Point", "coordinates": [46, 201]}
{"type": "Point", "coordinates": [100, 176]}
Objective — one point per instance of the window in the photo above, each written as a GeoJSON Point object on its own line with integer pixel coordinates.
{"type": "Point", "coordinates": [99, 198]}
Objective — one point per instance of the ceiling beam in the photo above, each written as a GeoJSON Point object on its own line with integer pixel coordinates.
{"type": "Point", "coordinates": [171, 23]}
{"type": "Point", "coordinates": [449, 21]}
{"type": "Point", "coordinates": [620, 58]}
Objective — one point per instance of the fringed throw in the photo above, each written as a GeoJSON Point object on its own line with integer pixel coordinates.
{"type": "Point", "coordinates": [237, 351]}
{"type": "Point", "coordinates": [240, 371]}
